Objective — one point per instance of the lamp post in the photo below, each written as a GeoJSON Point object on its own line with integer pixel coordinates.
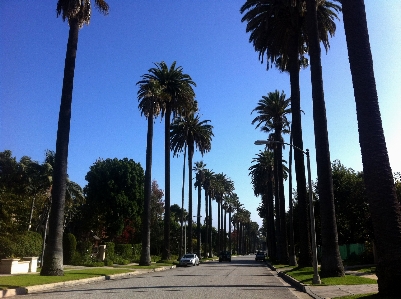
{"type": "Point", "coordinates": [316, 277]}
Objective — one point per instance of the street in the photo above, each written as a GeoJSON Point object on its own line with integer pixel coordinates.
{"type": "Point", "coordinates": [241, 278]}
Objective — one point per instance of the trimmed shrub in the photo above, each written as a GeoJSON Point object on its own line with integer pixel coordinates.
{"type": "Point", "coordinates": [7, 247]}
{"type": "Point", "coordinates": [28, 244]}
{"type": "Point", "coordinates": [69, 248]}
{"type": "Point", "coordinates": [124, 250]}
{"type": "Point", "coordinates": [84, 247]}
{"type": "Point", "coordinates": [110, 253]}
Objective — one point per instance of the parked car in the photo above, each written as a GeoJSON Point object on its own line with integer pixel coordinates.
{"type": "Point", "coordinates": [225, 256]}
{"type": "Point", "coordinates": [189, 259]}
{"type": "Point", "coordinates": [260, 256]}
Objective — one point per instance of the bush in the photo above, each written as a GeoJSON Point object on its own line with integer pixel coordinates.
{"type": "Point", "coordinates": [84, 247]}
{"type": "Point", "coordinates": [120, 261]}
{"type": "Point", "coordinates": [69, 248]}
{"type": "Point", "coordinates": [108, 262]}
{"type": "Point", "coordinates": [110, 253]}
{"type": "Point", "coordinates": [25, 244]}
{"type": "Point", "coordinates": [7, 248]}
{"type": "Point", "coordinates": [28, 244]}
{"type": "Point", "coordinates": [124, 250]}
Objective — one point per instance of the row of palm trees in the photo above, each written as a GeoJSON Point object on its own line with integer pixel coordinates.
{"type": "Point", "coordinates": [285, 31]}
{"type": "Point", "coordinates": [168, 91]}
{"type": "Point", "coordinates": [279, 29]}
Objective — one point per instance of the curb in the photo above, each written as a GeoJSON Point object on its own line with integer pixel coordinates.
{"type": "Point", "coordinates": [295, 283]}
{"type": "Point", "coordinates": [50, 286]}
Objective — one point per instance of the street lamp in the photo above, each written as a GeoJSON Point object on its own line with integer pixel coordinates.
{"type": "Point", "coordinates": [316, 277]}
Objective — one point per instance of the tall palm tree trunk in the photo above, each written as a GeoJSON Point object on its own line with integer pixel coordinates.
{"type": "Point", "coordinates": [218, 225]}
{"type": "Point", "coordinates": [198, 221]}
{"type": "Point", "coordinates": [270, 215]}
{"type": "Point", "coordinates": [283, 222]}
{"type": "Point", "coordinates": [305, 256]}
{"type": "Point", "coordinates": [53, 257]}
{"type": "Point", "coordinates": [292, 257]}
{"type": "Point", "coordinates": [167, 202]}
{"type": "Point", "coordinates": [182, 201]}
{"type": "Point", "coordinates": [225, 230]}
{"type": "Point", "coordinates": [206, 223]}
{"type": "Point", "coordinates": [145, 259]}
{"type": "Point", "coordinates": [331, 260]}
{"type": "Point", "coordinates": [229, 232]}
{"type": "Point", "coordinates": [190, 155]}
{"type": "Point", "coordinates": [279, 240]}
{"type": "Point", "coordinates": [210, 227]}
{"type": "Point", "coordinates": [385, 210]}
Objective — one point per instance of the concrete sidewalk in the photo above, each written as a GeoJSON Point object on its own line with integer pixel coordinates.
{"type": "Point", "coordinates": [333, 291]}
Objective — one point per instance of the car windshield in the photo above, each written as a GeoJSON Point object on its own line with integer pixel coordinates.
{"type": "Point", "coordinates": [188, 256]}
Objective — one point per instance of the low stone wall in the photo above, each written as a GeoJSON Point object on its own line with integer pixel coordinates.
{"type": "Point", "coordinates": [17, 266]}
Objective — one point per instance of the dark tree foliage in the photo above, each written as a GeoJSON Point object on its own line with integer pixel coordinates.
{"type": "Point", "coordinates": [115, 197]}
{"type": "Point", "coordinates": [354, 223]}
{"type": "Point", "coordinates": [156, 219]}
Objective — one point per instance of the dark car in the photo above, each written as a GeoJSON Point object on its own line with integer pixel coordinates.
{"type": "Point", "coordinates": [224, 256]}
{"type": "Point", "coordinates": [260, 256]}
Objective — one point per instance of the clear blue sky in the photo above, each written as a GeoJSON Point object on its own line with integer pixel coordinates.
{"type": "Point", "coordinates": [209, 41]}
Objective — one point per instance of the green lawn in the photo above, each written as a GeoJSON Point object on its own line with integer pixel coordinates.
{"type": "Point", "coordinates": [305, 275]}
{"type": "Point", "coordinates": [26, 280]}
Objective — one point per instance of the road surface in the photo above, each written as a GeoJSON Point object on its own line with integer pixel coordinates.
{"type": "Point", "coordinates": [243, 277]}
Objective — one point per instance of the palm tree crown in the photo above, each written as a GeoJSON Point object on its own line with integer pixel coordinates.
{"type": "Point", "coordinates": [79, 10]}
{"type": "Point", "coordinates": [193, 132]}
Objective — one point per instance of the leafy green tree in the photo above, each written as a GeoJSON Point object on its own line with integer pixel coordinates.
{"type": "Point", "coordinates": [114, 197]}
{"type": "Point", "coordinates": [352, 208]}
{"type": "Point", "coordinates": [150, 95]}
{"type": "Point", "coordinates": [181, 99]}
{"type": "Point", "coordinates": [156, 219]}
{"type": "Point", "coordinates": [192, 132]}
{"type": "Point", "coordinates": [77, 13]}
{"type": "Point", "coordinates": [378, 178]}
{"type": "Point", "coordinates": [272, 117]}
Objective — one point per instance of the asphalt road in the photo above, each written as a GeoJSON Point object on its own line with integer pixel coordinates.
{"type": "Point", "coordinates": [242, 278]}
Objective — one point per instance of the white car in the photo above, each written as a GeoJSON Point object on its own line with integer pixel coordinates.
{"type": "Point", "coordinates": [190, 259]}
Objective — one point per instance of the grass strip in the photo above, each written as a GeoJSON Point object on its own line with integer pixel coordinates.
{"type": "Point", "coordinates": [305, 276]}
{"type": "Point", "coordinates": [26, 280]}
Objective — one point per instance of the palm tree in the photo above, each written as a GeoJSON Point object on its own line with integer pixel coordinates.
{"type": "Point", "coordinates": [384, 207]}
{"type": "Point", "coordinates": [207, 186]}
{"type": "Point", "coordinates": [200, 179]}
{"type": "Point", "coordinates": [222, 185]}
{"type": "Point", "coordinates": [262, 181]}
{"type": "Point", "coordinates": [292, 256]}
{"type": "Point", "coordinates": [278, 29]}
{"type": "Point", "coordinates": [178, 86]}
{"type": "Point", "coordinates": [150, 95]}
{"type": "Point", "coordinates": [232, 205]}
{"type": "Point", "coordinates": [77, 13]}
{"type": "Point", "coordinates": [272, 110]}
{"type": "Point", "coordinates": [190, 131]}
{"type": "Point", "coordinates": [331, 264]}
